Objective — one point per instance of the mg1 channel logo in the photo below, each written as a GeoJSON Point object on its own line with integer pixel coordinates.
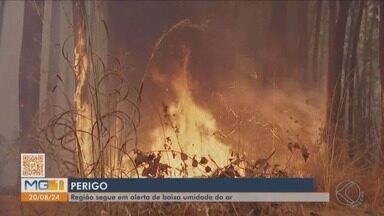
{"type": "Point", "coordinates": [35, 187]}
{"type": "Point", "coordinates": [44, 185]}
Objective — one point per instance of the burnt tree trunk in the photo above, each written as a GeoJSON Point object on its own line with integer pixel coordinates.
{"type": "Point", "coordinates": [30, 62]}
{"type": "Point", "coordinates": [81, 69]}
{"type": "Point", "coordinates": [316, 43]}
{"type": "Point", "coordinates": [331, 77]}
{"type": "Point", "coordinates": [351, 72]}
{"type": "Point", "coordinates": [369, 79]}
{"type": "Point", "coordinates": [2, 5]}
{"type": "Point", "coordinates": [276, 60]}
{"type": "Point", "coordinates": [337, 28]}
{"type": "Point", "coordinates": [382, 72]}
{"type": "Point", "coordinates": [302, 43]}
{"type": "Point", "coordinates": [54, 58]}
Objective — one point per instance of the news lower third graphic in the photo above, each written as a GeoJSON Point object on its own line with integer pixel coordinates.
{"type": "Point", "coordinates": [35, 187]}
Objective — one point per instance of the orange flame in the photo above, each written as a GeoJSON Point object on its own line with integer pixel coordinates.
{"type": "Point", "coordinates": [193, 128]}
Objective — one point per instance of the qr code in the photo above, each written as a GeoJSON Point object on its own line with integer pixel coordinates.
{"type": "Point", "coordinates": [32, 165]}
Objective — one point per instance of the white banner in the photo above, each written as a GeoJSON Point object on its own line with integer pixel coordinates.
{"type": "Point", "coordinates": [198, 197]}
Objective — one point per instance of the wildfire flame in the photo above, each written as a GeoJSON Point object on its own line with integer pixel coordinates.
{"type": "Point", "coordinates": [192, 128]}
